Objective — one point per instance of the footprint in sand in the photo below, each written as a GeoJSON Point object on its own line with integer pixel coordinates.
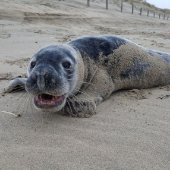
{"type": "Point", "coordinates": [164, 97]}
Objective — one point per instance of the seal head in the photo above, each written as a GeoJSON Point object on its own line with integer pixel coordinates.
{"type": "Point", "coordinates": [51, 77]}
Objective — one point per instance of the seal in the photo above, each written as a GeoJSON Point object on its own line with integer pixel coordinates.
{"type": "Point", "coordinates": [77, 76]}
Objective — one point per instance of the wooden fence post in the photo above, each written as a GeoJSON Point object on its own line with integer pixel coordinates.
{"type": "Point", "coordinates": [132, 8]}
{"type": "Point", "coordinates": [148, 13]}
{"type": "Point", "coordinates": [107, 6]}
{"type": "Point", "coordinates": [159, 16]}
{"type": "Point", "coordinates": [88, 2]}
{"type": "Point", "coordinates": [164, 16]}
{"type": "Point", "coordinates": [121, 6]}
{"type": "Point", "coordinates": [140, 11]}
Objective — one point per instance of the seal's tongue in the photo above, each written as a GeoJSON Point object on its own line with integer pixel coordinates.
{"type": "Point", "coordinates": [47, 97]}
{"type": "Point", "coordinates": [46, 100]}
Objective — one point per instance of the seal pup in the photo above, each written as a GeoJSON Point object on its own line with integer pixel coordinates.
{"type": "Point", "coordinates": [77, 76]}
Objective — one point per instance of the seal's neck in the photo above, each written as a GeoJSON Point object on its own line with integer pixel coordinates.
{"type": "Point", "coordinates": [81, 72]}
{"type": "Point", "coordinates": [81, 69]}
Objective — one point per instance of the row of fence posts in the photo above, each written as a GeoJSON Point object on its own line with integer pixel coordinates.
{"type": "Point", "coordinates": [140, 11]}
{"type": "Point", "coordinates": [148, 12]}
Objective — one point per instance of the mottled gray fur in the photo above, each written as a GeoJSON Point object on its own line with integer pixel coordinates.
{"type": "Point", "coordinates": [101, 65]}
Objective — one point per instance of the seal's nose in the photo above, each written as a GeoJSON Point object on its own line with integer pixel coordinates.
{"type": "Point", "coordinates": [41, 81]}
{"type": "Point", "coordinates": [44, 77]}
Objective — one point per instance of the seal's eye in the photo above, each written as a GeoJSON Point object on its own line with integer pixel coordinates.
{"type": "Point", "coordinates": [66, 64]}
{"type": "Point", "coordinates": [33, 63]}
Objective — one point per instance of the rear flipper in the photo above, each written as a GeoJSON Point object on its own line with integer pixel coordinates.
{"type": "Point", "coordinates": [160, 54]}
{"type": "Point", "coordinates": [15, 85]}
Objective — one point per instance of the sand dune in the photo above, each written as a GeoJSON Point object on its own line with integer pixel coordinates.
{"type": "Point", "coordinates": [130, 131]}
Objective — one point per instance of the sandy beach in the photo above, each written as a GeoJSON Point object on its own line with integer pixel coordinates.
{"type": "Point", "coordinates": [131, 130]}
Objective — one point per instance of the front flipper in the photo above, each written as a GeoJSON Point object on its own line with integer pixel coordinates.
{"type": "Point", "coordinates": [81, 107]}
{"type": "Point", "coordinates": [84, 103]}
{"type": "Point", "coordinates": [15, 85]}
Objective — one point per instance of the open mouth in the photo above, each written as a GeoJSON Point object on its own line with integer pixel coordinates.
{"type": "Point", "coordinates": [48, 101]}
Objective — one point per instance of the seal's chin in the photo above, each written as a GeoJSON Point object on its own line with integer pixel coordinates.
{"type": "Point", "coordinates": [48, 102]}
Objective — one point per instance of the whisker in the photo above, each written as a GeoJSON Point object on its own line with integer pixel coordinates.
{"type": "Point", "coordinates": [83, 82]}
{"type": "Point", "coordinates": [84, 93]}
{"type": "Point", "coordinates": [30, 103]}
{"type": "Point", "coordinates": [16, 115]}
{"type": "Point", "coordinates": [81, 102]}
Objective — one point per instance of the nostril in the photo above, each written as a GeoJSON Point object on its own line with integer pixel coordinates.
{"type": "Point", "coordinates": [46, 74]}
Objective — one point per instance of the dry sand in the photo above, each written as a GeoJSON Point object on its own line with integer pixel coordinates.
{"type": "Point", "coordinates": [130, 131]}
